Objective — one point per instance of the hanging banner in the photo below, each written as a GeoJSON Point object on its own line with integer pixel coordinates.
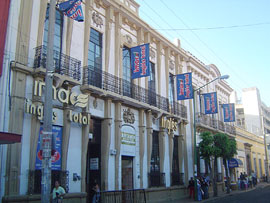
{"type": "Point", "coordinates": [56, 158]}
{"type": "Point", "coordinates": [184, 86]}
{"type": "Point", "coordinates": [72, 9]}
{"type": "Point", "coordinates": [140, 61]}
{"type": "Point", "coordinates": [210, 103]}
{"type": "Point", "coordinates": [228, 112]}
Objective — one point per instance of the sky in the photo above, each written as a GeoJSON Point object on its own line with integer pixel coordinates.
{"type": "Point", "coordinates": [232, 34]}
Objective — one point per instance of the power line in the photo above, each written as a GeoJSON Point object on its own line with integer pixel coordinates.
{"type": "Point", "coordinates": [214, 28]}
{"type": "Point", "coordinates": [212, 51]}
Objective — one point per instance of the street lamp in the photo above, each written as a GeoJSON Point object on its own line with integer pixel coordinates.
{"type": "Point", "coordinates": [223, 77]}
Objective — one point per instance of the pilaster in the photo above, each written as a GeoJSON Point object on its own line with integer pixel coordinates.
{"type": "Point", "coordinates": [105, 144]}
{"type": "Point", "coordinates": [118, 125]}
{"type": "Point", "coordinates": [149, 130]}
{"type": "Point", "coordinates": [142, 144]}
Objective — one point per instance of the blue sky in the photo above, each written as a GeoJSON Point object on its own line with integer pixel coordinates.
{"type": "Point", "coordinates": [236, 38]}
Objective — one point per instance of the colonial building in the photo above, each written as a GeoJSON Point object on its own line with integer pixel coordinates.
{"type": "Point", "coordinates": [250, 153]}
{"type": "Point", "coordinates": [122, 133]}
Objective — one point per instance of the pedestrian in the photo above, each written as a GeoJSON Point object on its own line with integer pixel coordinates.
{"type": "Point", "coordinates": [254, 178]}
{"type": "Point", "coordinates": [199, 190]}
{"type": "Point", "coordinates": [97, 193]}
{"type": "Point", "coordinates": [191, 188]}
{"type": "Point", "coordinates": [250, 181]}
{"type": "Point", "coordinates": [58, 193]}
{"type": "Point", "coordinates": [242, 184]}
{"type": "Point", "coordinates": [204, 186]}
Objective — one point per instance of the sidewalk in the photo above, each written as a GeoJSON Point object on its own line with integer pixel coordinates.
{"type": "Point", "coordinates": [222, 194]}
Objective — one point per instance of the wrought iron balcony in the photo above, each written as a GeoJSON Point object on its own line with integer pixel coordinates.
{"type": "Point", "coordinates": [177, 178]}
{"type": "Point", "coordinates": [208, 121]}
{"type": "Point", "coordinates": [109, 82]}
{"type": "Point", "coordinates": [64, 65]}
{"type": "Point", "coordinates": [156, 179]}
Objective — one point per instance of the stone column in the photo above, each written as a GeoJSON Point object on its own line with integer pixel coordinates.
{"type": "Point", "coordinates": [105, 143]}
{"type": "Point", "coordinates": [117, 134]}
{"type": "Point", "coordinates": [13, 162]}
{"type": "Point", "coordinates": [108, 34]}
{"type": "Point", "coordinates": [149, 130]}
{"type": "Point", "coordinates": [142, 144]}
{"type": "Point", "coordinates": [118, 45]}
{"type": "Point", "coordinates": [85, 140]}
{"type": "Point", "coordinates": [171, 136]}
{"type": "Point", "coordinates": [161, 137]}
{"type": "Point", "coordinates": [184, 144]}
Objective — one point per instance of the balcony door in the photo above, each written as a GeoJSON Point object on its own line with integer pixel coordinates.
{"type": "Point", "coordinates": [126, 74]}
{"type": "Point", "coordinates": [95, 59]}
{"type": "Point", "coordinates": [152, 85]}
{"type": "Point", "coordinates": [57, 43]}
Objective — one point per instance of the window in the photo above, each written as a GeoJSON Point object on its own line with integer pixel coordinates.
{"type": "Point", "coordinates": [155, 177]}
{"type": "Point", "coordinates": [152, 85]}
{"type": "Point", "coordinates": [58, 32]}
{"type": "Point", "coordinates": [126, 72]}
{"type": "Point", "coordinates": [95, 58]}
{"type": "Point", "coordinates": [177, 178]}
{"type": "Point", "coordinates": [171, 90]}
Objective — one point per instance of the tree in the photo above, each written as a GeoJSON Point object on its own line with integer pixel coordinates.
{"type": "Point", "coordinates": [219, 148]}
{"type": "Point", "coordinates": [230, 151]}
{"type": "Point", "coordinates": [206, 148]}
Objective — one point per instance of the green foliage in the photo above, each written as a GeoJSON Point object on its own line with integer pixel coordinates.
{"type": "Point", "coordinates": [206, 146]}
{"type": "Point", "coordinates": [220, 144]}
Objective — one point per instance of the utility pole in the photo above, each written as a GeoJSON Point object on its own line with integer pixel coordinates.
{"type": "Point", "coordinates": [47, 126]}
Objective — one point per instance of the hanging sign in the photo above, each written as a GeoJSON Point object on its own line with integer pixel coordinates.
{"type": "Point", "coordinates": [184, 86]}
{"type": "Point", "coordinates": [210, 103]}
{"type": "Point", "coordinates": [140, 61]}
{"type": "Point", "coordinates": [72, 9]}
{"type": "Point", "coordinates": [228, 112]}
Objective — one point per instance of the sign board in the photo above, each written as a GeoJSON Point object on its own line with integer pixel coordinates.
{"type": "Point", "coordinates": [93, 163]}
{"type": "Point", "coordinates": [57, 157]}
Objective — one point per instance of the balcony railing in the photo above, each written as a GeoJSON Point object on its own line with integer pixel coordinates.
{"type": "Point", "coordinates": [177, 178]}
{"type": "Point", "coordinates": [156, 179]}
{"type": "Point", "coordinates": [64, 65]}
{"type": "Point", "coordinates": [216, 124]}
{"type": "Point", "coordinates": [119, 196]}
{"type": "Point", "coordinates": [109, 82]}
{"type": "Point", "coordinates": [34, 180]}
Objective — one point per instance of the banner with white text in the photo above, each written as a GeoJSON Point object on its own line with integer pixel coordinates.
{"type": "Point", "coordinates": [72, 9]}
{"type": "Point", "coordinates": [140, 61]}
{"type": "Point", "coordinates": [228, 112]}
{"type": "Point", "coordinates": [184, 86]}
{"type": "Point", "coordinates": [210, 103]}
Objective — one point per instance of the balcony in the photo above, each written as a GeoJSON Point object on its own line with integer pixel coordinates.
{"type": "Point", "coordinates": [177, 178]}
{"type": "Point", "coordinates": [216, 125]}
{"type": "Point", "coordinates": [156, 179]}
{"type": "Point", "coordinates": [108, 82]}
{"type": "Point", "coordinates": [64, 65]}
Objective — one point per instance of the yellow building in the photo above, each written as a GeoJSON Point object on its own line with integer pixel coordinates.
{"type": "Point", "coordinates": [250, 151]}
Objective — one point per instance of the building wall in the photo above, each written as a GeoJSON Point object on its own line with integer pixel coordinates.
{"type": "Point", "coordinates": [120, 26]}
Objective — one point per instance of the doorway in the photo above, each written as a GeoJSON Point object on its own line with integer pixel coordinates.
{"type": "Point", "coordinates": [93, 162]}
{"type": "Point", "coordinates": [127, 172]}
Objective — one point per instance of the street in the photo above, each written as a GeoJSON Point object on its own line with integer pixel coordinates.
{"type": "Point", "coordinates": [260, 195]}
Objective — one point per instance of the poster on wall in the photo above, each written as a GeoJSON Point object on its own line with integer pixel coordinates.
{"type": "Point", "coordinates": [56, 158]}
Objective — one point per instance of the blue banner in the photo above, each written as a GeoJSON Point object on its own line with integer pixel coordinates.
{"type": "Point", "coordinates": [210, 103]}
{"type": "Point", "coordinates": [184, 86]}
{"type": "Point", "coordinates": [228, 112]}
{"type": "Point", "coordinates": [57, 157]}
{"type": "Point", "coordinates": [140, 61]}
{"type": "Point", "coordinates": [233, 163]}
{"type": "Point", "coordinates": [72, 9]}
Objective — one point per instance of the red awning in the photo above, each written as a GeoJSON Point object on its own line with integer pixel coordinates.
{"type": "Point", "coordinates": [9, 138]}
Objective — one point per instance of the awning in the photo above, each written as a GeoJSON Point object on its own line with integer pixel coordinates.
{"type": "Point", "coordinates": [9, 138]}
{"type": "Point", "coordinates": [233, 163]}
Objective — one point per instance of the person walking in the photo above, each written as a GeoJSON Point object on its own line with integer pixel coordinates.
{"type": "Point", "coordinates": [96, 196]}
{"type": "Point", "coordinates": [191, 188]}
{"type": "Point", "coordinates": [58, 193]}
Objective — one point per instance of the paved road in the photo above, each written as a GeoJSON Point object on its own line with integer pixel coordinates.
{"type": "Point", "coordinates": [259, 195]}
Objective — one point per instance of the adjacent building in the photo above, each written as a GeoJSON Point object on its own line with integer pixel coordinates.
{"type": "Point", "coordinates": [122, 133]}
